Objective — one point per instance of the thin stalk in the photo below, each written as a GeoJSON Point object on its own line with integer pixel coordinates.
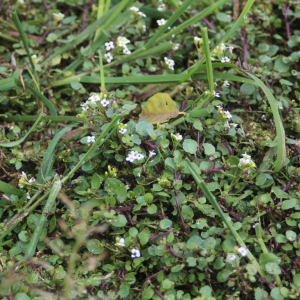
{"type": "Point", "coordinates": [101, 71]}
{"type": "Point", "coordinates": [100, 13]}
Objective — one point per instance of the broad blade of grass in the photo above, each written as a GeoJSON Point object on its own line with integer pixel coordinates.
{"type": "Point", "coordinates": [31, 248]}
{"type": "Point", "coordinates": [47, 162]}
{"type": "Point", "coordinates": [280, 133]}
{"type": "Point", "coordinates": [7, 84]}
{"type": "Point", "coordinates": [208, 60]}
{"type": "Point", "coordinates": [53, 119]}
{"type": "Point", "coordinates": [221, 214]}
{"type": "Point", "coordinates": [8, 189]}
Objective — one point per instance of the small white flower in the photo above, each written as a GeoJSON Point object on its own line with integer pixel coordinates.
{"type": "Point", "coordinates": [58, 17]}
{"type": "Point", "coordinates": [135, 253]}
{"type": "Point", "coordinates": [21, 1]}
{"type": "Point", "coordinates": [216, 94]}
{"type": "Point", "coordinates": [109, 46]}
{"type": "Point", "coordinates": [161, 7]}
{"type": "Point", "coordinates": [161, 22]}
{"type": "Point", "coordinates": [140, 156]}
{"type": "Point", "coordinates": [219, 107]}
{"type": "Point", "coordinates": [234, 125]}
{"type": "Point", "coordinates": [231, 257]}
{"type": "Point", "coordinates": [121, 242]}
{"type": "Point", "coordinates": [127, 187]}
{"type": "Point", "coordinates": [126, 50]}
{"type": "Point", "coordinates": [94, 98]}
{"type": "Point", "coordinates": [138, 175]}
{"type": "Point", "coordinates": [152, 153]}
{"type": "Point", "coordinates": [84, 106]}
{"type": "Point", "coordinates": [223, 47]}
{"type": "Point", "coordinates": [226, 83]}
{"type": "Point", "coordinates": [230, 49]}
{"type": "Point", "coordinates": [178, 137]}
{"type": "Point", "coordinates": [243, 251]}
{"type": "Point", "coordinates": [144, 27]}
{"type": "Point", "coordinates": [142, 14]}
{"type": "Point", "coordinates": [197, 39]}
{"type": "Point", "coordinates": [123, 130]}
{"type": "Point", "coordinates": [170, 63]}
{"type": "Point", "coordinates": [21, 186]}
{"type": "Point", "coordinates": [176, 47]}
{"type": "Point", "coordinates": [131, 157]}
{"type": "Point", "coordinates": [105, 102]}
{"type": "Point", "coordinates": [225, 59]}
{"type": "Point", "coordinates": [35, 59]}
{"type": "Point", "coordinates": [108, 57]}
{"type": "Point", "coordinates": [134, 9]}
{"type": "Point", "coordinates": [228, 114]}
{"type": "Point", "coordinates": [246, 156]}
{"type": "Point", "coordinates": [11, 127]}
{"type": "Point", "coordinates": [31, 180]}
{"type": "Point", "coordinates": [91, 139]}
{"type": "Point", "coordinates": [28, 197]}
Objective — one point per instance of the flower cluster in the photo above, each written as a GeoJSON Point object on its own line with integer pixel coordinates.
{"type": "Point", "coordinates": [246, 162]}
{"type": "Point", "coordinates": [225, 114]}
{"type": "Point", "coordinates": [91, 139]}
{"type": "Point", "coordinates": [93, 99]}
{"type": "Point", "coordinates": [134, 155]}
{"type": "Point", "coordinates": [122, 42]}
{"type": "Point", "coordinates": [219, 51]}
{"type": "Point", "coordinates": [122, 128]}
{"type": "Point", "coordinates": [225, 59]}
{"type": "Point", "coordinates": [170, 63]}
{"type": "Point", "coordinates": [135, 10]}
{"type": "Point", "coordinates": [58, 17]}
{"type": "Point", "coordinates": [176, 47]}
{"type": "Point", "coordinates": [225, 83]}
{"type": "Point", "coordinates": [24, 180]}
{"type": "Point", "coordinates": [135, 253]}
{"type": "Point", "coordinates": [161, 22]}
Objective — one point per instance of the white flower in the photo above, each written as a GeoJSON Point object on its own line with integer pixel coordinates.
{"type": "Point", "coordinates": [134, 9]}
{"type": "Point", "coordinates": [11, 127]}
{"type": "Point", "coordinates": [121, 242]}
{"type": "Point", "coordinates": [243, 251]}
{"type": "Point", "coordinates": [122, 41]}
{"type": "Point", "coordinates": [226, 83]}
{"type": "Point", "coordinates": [21, 186]}
{"type": "Point", "coordinates": [219, 107]}
{"type": "Point", "coordinates": [84, 106]}
{"type": "Point", "coordinates": [231, 257]}
{"type": "Point", "coordinates": [28, 197]}
{"type": "Point", "coordinates": [142, 14]}
{"type": "Point", "coordinates": [170, 63]}
{"type": "Point", "coordinates": [223, 47]}
{"type": "Point", "coordinates": [234, 125]}
{"type": "Point", "coordinates": [123, 130]}
{"type": "Point", "coordinates": [161, 22]}
{"type": "Point", "coordinates": [225, 59]}
{"type": "Point", "coordinates": [31, 180]}
{"type": "Point", "coordinates": [126, 50]}
{"type": "Point", "coordinates": [135, 253]}
{"type": "Point", "coordinates": [230, 49]}
{"type": "Point", "coordinates": [178, 137]}
{"type": "Point", "coordinates": [105, 102]}
{"type": "Point", "coordinates": [144, 27]}
{"type": "Point", "coordinates": [152, 153]}
{"type": "Point", "coordinates": [161, 7]}
{"type": "Point", "coordinates": [21, 1]}
{"type": "Point", "coordinates": [216, 94]}
{"type": "Point", "coordinates": [35, 59]}
{"type": "Point", "coordinates": [91, 139]}
{"type": "Point", "coordinates": [127, 186]}
{"type": "Point", "coordinates": [228, 114]}
{"type": "Point", "coordinates": [246, 162]}
{"type": "Point", "coordinates": [131, 156]}
{"type": "Point", "coordinates": [140, 156]}
{"type": "Point", "coordinates": [94, 98]}
{"type": "Point", "coordinates": [108, 57]}
{"type": "Point", "coordinates": [138, 175]}
{"type": "Point", "coordinates": [109, 46]}
{"type": "Point", "coordinates": [58, 17]}
{"type": "Point", "coordinates": [197, 39]}
{"type": "Point", "coordinates": [176, 47]}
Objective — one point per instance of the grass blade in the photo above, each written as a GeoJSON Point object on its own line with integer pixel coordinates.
{"type": "Point", "coordinates": [53, 119]}
{"type": "Point", "coordinates": [101, 71]}
{"type": "Point", "coordinates": [47, 162]}
{"type": "Point", "coordinates": [220, 212]}
{"type": "Point", "coordinates": [208, 60]}
{"type": "Point", "coordinates": [7, 84]}
{"type": "Point", "coordinates": [8, 189]}
{"type": "Point", "coordinates": [281, 150]}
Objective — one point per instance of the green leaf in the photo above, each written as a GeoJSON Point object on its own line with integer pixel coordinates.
{"type": "Point", "coordinates": [152, 209]}
{"type": "Point", "coordinates": [223, 275]}
{"type": "Point", "coordinates": [288, 204]}
{"type": "Point", "coordinates": [276, 294]}
{"type": "Point", "coordinates": [144, 237]}
{"type": "Point", "coordinates": [190, 146]}
{"type": "Point", "coordinates": [94, 246]}
{"type": "Point", "coordinates": [119, 221]}
{"type": "Point", "coordinates": [187, 212]}
{"type": "Point", "coordinates": [209, 149]}
{"type": "Point", "coordinates": [164, 224]}
{"type": "Point", "coordinates": [273, 268]}
{"type": "Point", "coordinates": [147, 293]}
{"type": "Point", "coordinates": [192, 261]}
{"type": "Point", "coordinates": [8, 189]}
{"type": "Point", "coordinates": [260, 294]}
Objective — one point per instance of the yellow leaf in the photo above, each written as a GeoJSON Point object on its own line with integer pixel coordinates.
{"type": "Point", "coordinates": [159, 109]}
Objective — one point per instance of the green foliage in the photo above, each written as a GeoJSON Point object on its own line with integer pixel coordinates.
{"type": "Point", "coordinates": [113, 207]}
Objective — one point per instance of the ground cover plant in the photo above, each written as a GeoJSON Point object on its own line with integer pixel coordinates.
{"type": "Point", "coordinates": [149, 150]}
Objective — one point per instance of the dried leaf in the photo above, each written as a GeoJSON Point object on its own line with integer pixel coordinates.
{"type": "Point", "coordinates": [159, 109]}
